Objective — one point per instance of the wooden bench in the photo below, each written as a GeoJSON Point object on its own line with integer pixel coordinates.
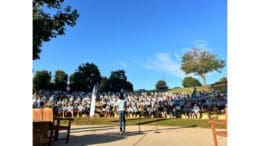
{"type": "Point", "coordinates": [47, 115]}
{"type": "Point", "coordinates": [56, 127]}
{"type": "Point", "coordinates": [41, 125]}
{"type": "Point", "coordinates": [213, 122]}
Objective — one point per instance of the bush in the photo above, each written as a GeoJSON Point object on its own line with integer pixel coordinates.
{"type": "Point", "coordinates": [190, 82]}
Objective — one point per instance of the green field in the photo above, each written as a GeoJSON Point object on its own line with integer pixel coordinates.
{"type": "Point", "coordinates": [144, 121]}
{"type": "Point", "coordinates": [190, 89]}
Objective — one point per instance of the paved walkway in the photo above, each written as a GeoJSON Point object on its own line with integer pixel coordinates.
{"type": "Point", "coordinates": [95, 135]}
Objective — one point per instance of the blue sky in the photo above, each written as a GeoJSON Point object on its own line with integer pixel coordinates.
{"type": "Point", "coordinates": [146, 38]}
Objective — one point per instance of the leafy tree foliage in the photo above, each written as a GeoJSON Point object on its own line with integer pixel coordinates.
{"type": "Point", "coordinates": [223, 79]}
{"type": "Point", "coordinates": [47, 26]}
{"type": "Point", "coordinates": [61, 79]}
{"type": "Point", "coordinates": [74, 82]}
{"type": "Point", "coordinates": [128, 87]}
{"type": "Point", "coordinates": [118, 81]}
{"type": "Point", "coordinates": [85, 77]}
{"type": "Point", "coordinates": [161, 85]}
{"type": "Point", "coordinates": [200, 63]}
{"type": "Point", "coordinates": [41, 80]}
{"type": "Point", "coordinates": [104, 85]}
{"type": "Point", "coordinates": [190, 82]}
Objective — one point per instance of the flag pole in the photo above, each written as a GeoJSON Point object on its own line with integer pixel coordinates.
{"type": "Point", "coordinates": [93, 100]}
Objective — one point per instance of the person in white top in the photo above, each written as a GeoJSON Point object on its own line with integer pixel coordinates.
{"type": "Point", "coordinates": [196, 111]}
{"type": "Point", "coordinates": [121, 108]}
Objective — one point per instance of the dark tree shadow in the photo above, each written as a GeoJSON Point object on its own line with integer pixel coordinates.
{"type": "Point", "coordinates": [86, 129]}
{"type": "Point", "coordinates": [92, 139]}
{"type": "Point", "coordinates": [142, 122]}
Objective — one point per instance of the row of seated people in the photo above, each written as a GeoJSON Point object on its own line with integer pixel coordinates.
{"type": "Point", "coordinates": [148, 112]}
{"type": "Point", "coordinates": [191, 112]}
{"type": "Point", "coordinates": [71, 111]}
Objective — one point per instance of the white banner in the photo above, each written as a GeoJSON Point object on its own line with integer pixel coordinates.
{"type": "Point", "coordinates": [93, 100]}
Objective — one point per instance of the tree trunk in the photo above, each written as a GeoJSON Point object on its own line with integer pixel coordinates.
{"type": "Point", "coordinates": [204, 79]}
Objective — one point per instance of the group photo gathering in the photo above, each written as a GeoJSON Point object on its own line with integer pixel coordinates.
{"type": "Point", "coordinates": [132, 73]}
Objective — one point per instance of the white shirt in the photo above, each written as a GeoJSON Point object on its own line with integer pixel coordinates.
{"type": "Point", "coordinates": [121, 104]}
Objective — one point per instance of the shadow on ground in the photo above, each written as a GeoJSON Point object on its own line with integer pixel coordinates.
{"type": "Point", "coordinates": [86, 129]}
{"type": "Point", "coordinates": [92, 139]}
{"type": "Point", "coordinates": [89, 137]}
{"type": "Point", "coordinates": [136, 121]}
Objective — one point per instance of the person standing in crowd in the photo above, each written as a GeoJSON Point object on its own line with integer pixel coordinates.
{"type": "Point", "coordinates": [121, 108]}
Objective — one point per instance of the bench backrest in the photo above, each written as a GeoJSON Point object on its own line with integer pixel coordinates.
{"type": "Point", "coordinates": [45, 114]}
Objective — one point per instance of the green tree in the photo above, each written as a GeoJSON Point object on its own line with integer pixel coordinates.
{"type": "Point", "coordinates": [223, 79]}
{"type": "Point", "coordinates": [118, 81]}
{"type": "Point", "coordinates": [61, 79]}
{"type": "Point", "coordinates": [41, 80]}
{"type": "Point", "coordinates": [74, 82]}
{"type": "Point", "coordinates": [104, 85]}
{"type": "Point", "coordinates": [129, 86]}
{"type": "Point", "coordinates": [190, 82]}
{"type": "Point", "coordinates": [200, 63]}
{"type": "Point", "coordinates": [161, 85]}
{"type": "Point", "coordinates": [85, 77]}
{"type": "Point", "coordinates": [48, 25]}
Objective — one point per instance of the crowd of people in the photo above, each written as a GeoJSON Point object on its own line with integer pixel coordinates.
{"type": "Point", "coordinates": [165, 104]}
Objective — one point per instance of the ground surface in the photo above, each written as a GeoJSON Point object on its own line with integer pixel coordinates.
{"type": "Point", "coordinates": [98, 135]}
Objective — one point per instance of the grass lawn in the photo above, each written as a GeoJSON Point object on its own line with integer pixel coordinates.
{"type": "Point", "coordinates": [144, 121]}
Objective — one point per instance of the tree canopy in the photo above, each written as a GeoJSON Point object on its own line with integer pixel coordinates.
{"type": "Point", "coordinates": [104, 85]}
{"type": "Point", "coordinates": [61, 79]}
{"type": "Point", "coordinates": [190, 82]}
{"type": "Point", "coordinates": [200, 63]}
{"type": "Point", "coordinates": [41, 80]}
{"type": "Point", "coordinates": [85, 77]}
{"type": "Point", "coordinates": [118, 81]}
{"type": "Point", "coordinates": [223, 79]}
{"type": "Point", "coordinates": [47, 26]}
{"type": "Point", "coordinates": [161, 85]}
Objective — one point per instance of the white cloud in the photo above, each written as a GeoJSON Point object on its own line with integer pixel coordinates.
{"type": "Point", "coordinates": [200, 44]}
{"type": "Point", "coordinates": [163, 62]}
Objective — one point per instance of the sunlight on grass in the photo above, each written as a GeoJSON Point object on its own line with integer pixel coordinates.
{"type": "Point", "coordinates": [144, 121]}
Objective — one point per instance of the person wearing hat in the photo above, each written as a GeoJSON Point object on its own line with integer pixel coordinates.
{"type": "Point", "coordinates": [121, 108]}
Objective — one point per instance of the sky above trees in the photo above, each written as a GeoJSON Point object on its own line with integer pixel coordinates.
{"type": "Point", "coordinates": [145, 38]}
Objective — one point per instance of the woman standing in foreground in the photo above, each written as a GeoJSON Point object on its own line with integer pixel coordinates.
{"type": "Point", "coordinates": [121, 108]}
